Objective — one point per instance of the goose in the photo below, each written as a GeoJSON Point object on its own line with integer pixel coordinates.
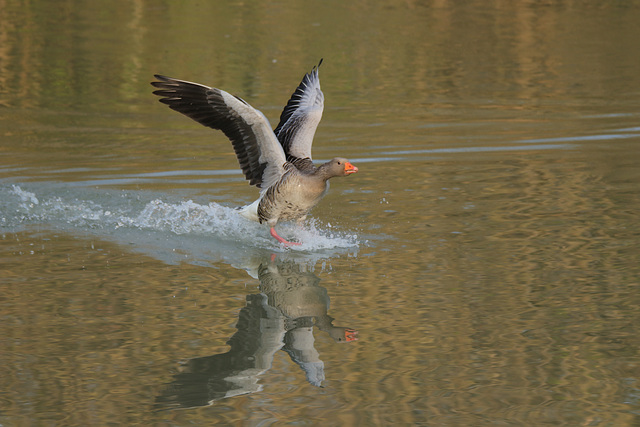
{"type": "Point", "coordinates": [277, 161]}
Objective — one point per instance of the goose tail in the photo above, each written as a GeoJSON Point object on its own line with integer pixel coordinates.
{"type": "Point", "coordinates": [250, 211]}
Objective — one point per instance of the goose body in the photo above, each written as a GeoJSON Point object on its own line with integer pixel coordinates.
{"type": "Point", "coordinates": [278, 162]}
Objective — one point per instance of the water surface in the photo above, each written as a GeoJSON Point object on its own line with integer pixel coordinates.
{"type": "Point", "coordinates": [480, 269]}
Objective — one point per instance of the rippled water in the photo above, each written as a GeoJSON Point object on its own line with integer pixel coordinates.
{"type": "Point", "coordinates": [480, 269]}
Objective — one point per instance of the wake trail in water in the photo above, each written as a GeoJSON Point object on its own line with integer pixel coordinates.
{"type": "Point", "coordinates": [112, 212]}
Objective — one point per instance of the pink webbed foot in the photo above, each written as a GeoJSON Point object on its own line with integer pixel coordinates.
{"type": "Point", "coordinates": [281, 240]}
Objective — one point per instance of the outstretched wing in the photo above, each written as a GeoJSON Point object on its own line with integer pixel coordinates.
{"type": "Point", "coordinates": [259, 153]}
{"type": "Point", "coordinates": [300, 117]}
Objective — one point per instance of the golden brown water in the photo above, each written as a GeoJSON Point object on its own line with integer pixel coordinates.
{"type": "Point", "coordinates": [487, 252]}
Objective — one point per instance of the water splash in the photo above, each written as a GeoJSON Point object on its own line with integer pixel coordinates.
{"type": "Point", "coordinates": [25, 196]}
{"type": "Point", "coordinates": [115, 212]}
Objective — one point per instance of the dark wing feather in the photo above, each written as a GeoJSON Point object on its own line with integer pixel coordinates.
{"type": "Point", "coordinates": [300, 117]}
{"type": "Point", "coordinates": [260, 155]}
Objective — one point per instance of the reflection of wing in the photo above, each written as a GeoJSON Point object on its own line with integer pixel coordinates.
{"type": "Point", "coordinates": [259, 153]}
{"type": "Point", "coordinates": [299, 344]}
{"type": "Point", "coordinates": [300, 118]}
{"type": "Point", "coordinates": [203, 380]}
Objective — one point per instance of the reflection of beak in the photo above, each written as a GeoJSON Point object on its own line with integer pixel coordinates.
{"type": "Point", "coordinates": [349, 168]}
{"type": "Point", "coordinates": [350, 335]}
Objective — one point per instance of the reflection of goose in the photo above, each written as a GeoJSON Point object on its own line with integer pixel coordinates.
{"type": "Point", "coordinates": [282, 316]}
{"type": "Point", "coordinates": [278, 162]}
{"type": "Point", "coordinates": [296, 294]}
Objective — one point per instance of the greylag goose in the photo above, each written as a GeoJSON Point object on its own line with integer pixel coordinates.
{"type": "Point", "coordinates": [279, 161]}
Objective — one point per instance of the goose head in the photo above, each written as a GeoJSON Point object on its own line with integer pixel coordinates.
{"type": "Point", "coordinates": [338, 166]}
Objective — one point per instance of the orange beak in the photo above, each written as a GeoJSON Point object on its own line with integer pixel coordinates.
{"type": "Point", "coordinates": [349, 168]}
